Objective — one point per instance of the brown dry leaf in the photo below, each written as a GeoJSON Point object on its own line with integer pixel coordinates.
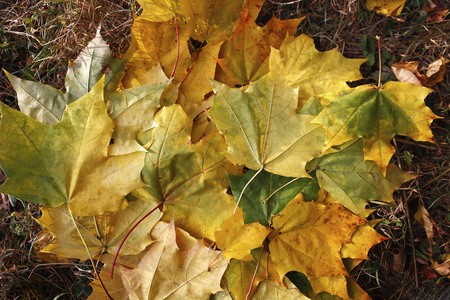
{"type": "Point", "coordinates": [167, 271]}
{"type": "Point", "coordinates": [444, 267]}
{"type": "Point", "coordinates": [398, 260]}
{"type": "Point", "coordinates": [408, 72]}
{"type": "Point", "coordinates": [436, 11]}
{"type": "Point", "coordinates": [428, 224]}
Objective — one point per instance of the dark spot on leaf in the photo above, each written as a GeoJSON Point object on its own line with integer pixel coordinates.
{"type": "Point", "coordinates": [229, 192]}
{"type": "Point", "coordinates": [106, 69]}
{"type": "Point", "coordinates": [111, 142]}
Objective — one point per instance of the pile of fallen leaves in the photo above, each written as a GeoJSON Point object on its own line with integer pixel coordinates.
{"type": "Point", "coordinates": [216, 158]}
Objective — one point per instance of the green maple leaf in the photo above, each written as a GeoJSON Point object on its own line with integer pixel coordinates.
{"type": "Point", "coordinates": [355, 182]}
{"type": "Point", "coordinates": [377, 114]}
{"type": "Point", "coordinates": [268, 194]}
{"type": "Point", "coordinates": [189, 179]}
{"type": "Point", "coordinates": [67, 162]}
{"type": "Point", "coordinates": [262, 128]}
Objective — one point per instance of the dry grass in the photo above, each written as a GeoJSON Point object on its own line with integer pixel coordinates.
{"type": "Point", "coordinates": [38, 37]}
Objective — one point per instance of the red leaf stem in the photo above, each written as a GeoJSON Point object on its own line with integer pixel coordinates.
{"type": "Point", "coordinates": [178, 50]}
{"type": "Point", "coordinates": [193, 63]}
{"type": "Point", "coordinates": [126, 236]}
{"type": "Point", "coordinates": [254, 274]}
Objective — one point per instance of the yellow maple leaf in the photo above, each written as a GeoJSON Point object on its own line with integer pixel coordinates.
{"type": "Point", "coordinates": [102, 234]}
{"type": "Point", "coordinates": [68, 162]}
{"type": "Point", "coordinates": [239, 274]}
{"type": "Point", "coordinates": [308, 238]}
{"type": "Point", "coordinates": [237, 239]}
{"type": "Point", "coordinates": [312, 71]}
{"type": "Point", "coordinates": [152, 43]}
{"type": "Point", "coordinates": [169, 270]}
{"type": "Point", "coordinates": [188, 178]}
{"type": "Point", "coordinates": [390, 8]}
{"type": "Point", "coordinates": [246, 59]}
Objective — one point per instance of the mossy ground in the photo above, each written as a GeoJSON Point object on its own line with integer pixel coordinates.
{"type": "Point", "coordinates": [38, 37]}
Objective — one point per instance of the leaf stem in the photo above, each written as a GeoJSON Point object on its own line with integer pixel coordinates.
{"type": "Point", "coordinates": [97, 230]}
{"type": "Point", "coordinates": [217, 256]}
{"type": "Point", "coordinates": [111, 275]}
{"type": "Point", "coordinates": [245, 187]}
{"type": "Point", "coordinates": [178, 49]}
{"type": "Point", "coordinates": [88, 252]}
{"type": "Point", "coordinates": [277, 190]}
{"type": "Point", "coordinates": [379, 60]}
{"type": "Point", "coordinates": [254, 275]}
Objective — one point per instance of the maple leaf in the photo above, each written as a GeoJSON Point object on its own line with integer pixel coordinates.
{"type": "Point", "coordinates": [237, 240]}
{"type": "Point", "coordinates": [275, 30]}
{"type": "Point", "coordinates": [386, 7]}
{"type": "Point", "coordinates": [159, 10]}
{"type": "Point", "coordinates": [67, 162]}
{"type": "Point", "coordinates": [267, 194]}
{"type": "Point", "coordinates": [363, 239]}
{"type": "Point", "coordinates": [188, 178]}
{"type": "Point", "coordinates": [197, 85]}
{"type": "Point", "coordinates": [47, 104]}
{"type": "Point", "coordinates": [94, 62]}
{"type": "Point", "coordinates": [41, 102]}
{"type": "Point", "coordinates": [172, 270]}
{"type": "Point", "coordinates": [377, 114]}
{"type": "Point", "coordinates": [314, 72]}
{"type": "Point", "coordinates": [102, 234]}
{"type": "Point", "coordinates": [153, 43]}
{"type": "Point", "coordinates": [210, 20]}
{"type": "Point", "coordinates": [355, 182]}
{"type": "Point", "coordinates": [132, 111]}
{"type": "Point", "coordinates": [407, 72]}
{"type": "Point", "coordinates": [245, 62]}
{"type": "Point", "coordinates": [297, 242]}
{"type": "Point", "coordinates": [336, 285]}
{"type": "Point", "coordinates": [262, 128]}
{"type": "Point", "coordinates": [271, 290]}
{"type": "Point", "coordinates": [239, 274]}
